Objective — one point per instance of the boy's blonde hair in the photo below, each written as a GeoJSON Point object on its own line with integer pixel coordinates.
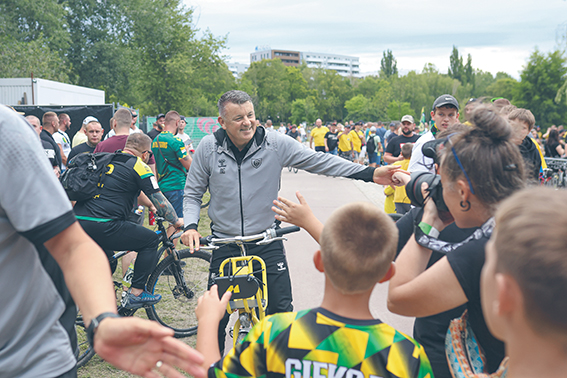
{"type": "Point", "coordinates": [406, 150]}
{"type": "Point", "coordinates": [358, 243]}
{"type": "Point", "coordinates": [523, 115]}
{"type": "Point", "coordinates": [531, 246]}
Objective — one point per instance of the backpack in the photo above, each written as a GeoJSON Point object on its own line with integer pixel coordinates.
{"type": "Point", "coordinates": [84, 176]}
{"type": "Point", "coordinates": [371, 145]}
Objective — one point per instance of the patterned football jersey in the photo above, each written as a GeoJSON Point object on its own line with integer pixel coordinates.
{"type": "Point", "coordinates": [317, 343]}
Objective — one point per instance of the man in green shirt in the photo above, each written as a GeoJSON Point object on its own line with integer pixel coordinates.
{"type": "Point", "coordinates": [172, 161]}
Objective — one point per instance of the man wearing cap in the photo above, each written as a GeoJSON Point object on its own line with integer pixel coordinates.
{"type": "Point", "coordinates": [391, 132]}
{"type": "Point", "coordinates": [356, 137]}
{"type": "Point", "coordinates": [158, 126]}
{"type": "Point", "coordinates": [80, 136]}
{"type": "Point", "coordinates": [184, 137]}
{"type": "Point", "coordinates": [394, 148]}
{"type": "Point", "coordinates": [94, 134]}
{"type": "Point", "coordinates": [445, 113]}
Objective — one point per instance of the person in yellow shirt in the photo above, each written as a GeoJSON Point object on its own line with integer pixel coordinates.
{"type": "Point", "coordinates": [345, 146]}
{"type": "Point", "coordinates": [401, 200]}
{"type": "Point", "coordinates": [356, 139]}
{"type": "Point", "coordinates": [318, 136]}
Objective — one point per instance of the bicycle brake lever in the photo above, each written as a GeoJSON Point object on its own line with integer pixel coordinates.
{"type": "Point", "coordinates": [268, 240]}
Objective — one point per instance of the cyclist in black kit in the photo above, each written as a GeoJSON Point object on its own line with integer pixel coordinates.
{"type": "Point", "coordinates": [104, 217]}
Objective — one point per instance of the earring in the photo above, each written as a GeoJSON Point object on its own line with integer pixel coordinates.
{"type": "Point", "coordinates": [465, 205]}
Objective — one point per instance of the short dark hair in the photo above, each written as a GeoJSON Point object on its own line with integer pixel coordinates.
{"type": "Point", "coordinates": [234, 97]}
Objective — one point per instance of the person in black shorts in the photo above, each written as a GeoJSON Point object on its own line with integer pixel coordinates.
{"type": "Point", "coordinates": [104, 217]}
{"type": "Point", "coordinates": [332, 140]}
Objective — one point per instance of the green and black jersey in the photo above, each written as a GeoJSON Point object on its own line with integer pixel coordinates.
{"type": "Point", "coordinates": [168, 150]}
{"type": "Point", "coordinates": [126, 176]}
{"type": "Point", "coordinates": [317, 343]}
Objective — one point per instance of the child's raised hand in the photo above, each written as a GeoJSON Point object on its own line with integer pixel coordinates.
{"type": "Point", "coordinates": [210, 307]}
{"type": "Point", "coordinates": [291, 212]}
{"type": "Point", "coordinates": [299, 214]}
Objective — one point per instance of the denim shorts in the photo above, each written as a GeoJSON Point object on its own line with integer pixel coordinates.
{"type": "Point", "coordinates": [175, 197]}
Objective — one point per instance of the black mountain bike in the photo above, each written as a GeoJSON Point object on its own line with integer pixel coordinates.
{"type": "Point", "coordinates": [180, 278]}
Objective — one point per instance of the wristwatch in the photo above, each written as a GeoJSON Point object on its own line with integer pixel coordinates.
{"type": "Point", "coordinates": [95, 323]}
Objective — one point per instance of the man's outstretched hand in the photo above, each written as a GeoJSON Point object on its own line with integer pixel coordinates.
{"type": "Point", "coordinates": [136, 345]}
{"type": "Point", "coordinates": [385, 175]}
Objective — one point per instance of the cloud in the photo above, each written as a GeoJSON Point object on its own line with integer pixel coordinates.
{"type": "Point", "coordinates": [499, 35]}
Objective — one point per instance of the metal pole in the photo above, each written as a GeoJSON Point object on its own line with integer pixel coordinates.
{"type": "Point", "coordinates": [32, 92]}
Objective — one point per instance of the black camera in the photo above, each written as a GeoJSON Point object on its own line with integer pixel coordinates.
{"type": "Point", "coordinates": [431, 149]}
{"type": "Point", "coordinates": [413, 189]}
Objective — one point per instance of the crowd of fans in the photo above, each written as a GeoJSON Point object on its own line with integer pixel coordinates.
{"type": "Point", "coordinates": [485, 227]}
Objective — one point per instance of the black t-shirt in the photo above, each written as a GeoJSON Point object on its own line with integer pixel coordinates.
{"type": "Point", "coordinates": [153, 133]}
{"type": "Point", "coordinates": [293, 134]}
{"type": "Point", "coordinates": [332, 140]}
{"type": "Point", "coordinates": [126, 176]}
{"type": "Point", "coordinates": [80, 149]}
{"type": "Point", "coordinates": [395, 145]}
{"type": "Point", "coordinates": [47, 137]}
{"type": "Point", "coordinates": [430, 331]}
{"type": "Point", "coordinates": [467, 262]}
{"type": "Point", "coordinates": [551, 150]}
{"type": "Point", "coordinates": [532, 159]}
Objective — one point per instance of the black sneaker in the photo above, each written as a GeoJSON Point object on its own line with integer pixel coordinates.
{"type": "Point", "coordinates": [145, 299]}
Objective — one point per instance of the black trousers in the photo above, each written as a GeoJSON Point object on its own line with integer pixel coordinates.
{"type": "Point", "coordinates": [279, 283]}
{"type": "Point", "coordinates": [122, 236]}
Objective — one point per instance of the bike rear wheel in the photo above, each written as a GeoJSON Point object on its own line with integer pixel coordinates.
{"type": "Point", "coordinates": [84, 350]}
{"type": "Point", "coordinates": [179, 287]}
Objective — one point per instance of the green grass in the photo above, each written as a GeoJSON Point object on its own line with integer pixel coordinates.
{"type": "Point", "coordinates": [97, 367]}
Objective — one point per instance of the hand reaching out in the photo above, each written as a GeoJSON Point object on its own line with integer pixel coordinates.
{"type": "Point", "coordinates": [299, 214]}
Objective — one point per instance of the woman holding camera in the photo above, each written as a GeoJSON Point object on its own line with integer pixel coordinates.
{"type": "Point", "coordinates": [479, 168]}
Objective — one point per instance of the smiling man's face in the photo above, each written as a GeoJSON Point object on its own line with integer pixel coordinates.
{"type": "Point", "coordinates": [239, 122]}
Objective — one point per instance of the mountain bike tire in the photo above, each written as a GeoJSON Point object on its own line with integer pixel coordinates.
{"type": "Point", "coordinates": [176, 309]}
{"type": "Point", "coordinates": [84, 351]}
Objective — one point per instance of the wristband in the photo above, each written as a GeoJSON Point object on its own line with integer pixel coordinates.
{"type": "Point", "coordinates": [429, 230]}
{"type": "Point", "coordinates": [95, 323]}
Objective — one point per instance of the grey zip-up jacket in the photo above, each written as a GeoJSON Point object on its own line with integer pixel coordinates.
{"type": "Point", "coordinates": [242, 195]}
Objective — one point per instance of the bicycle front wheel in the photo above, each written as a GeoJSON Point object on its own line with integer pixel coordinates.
{"type": "Point", "coordinates": [179, 292]}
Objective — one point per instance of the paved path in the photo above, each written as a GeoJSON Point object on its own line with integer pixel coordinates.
{"type": "Point", "coordinates": [325, 194]}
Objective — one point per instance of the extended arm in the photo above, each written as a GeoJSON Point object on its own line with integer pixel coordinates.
{"type": "Point", "coordinates": [210, 311]}
{"type": "Point", "coordinates": [164, 208]}
{"type": "Point", "coordinates": [299, 214]}
{"type": "Point", "coordinates": [186, 161]}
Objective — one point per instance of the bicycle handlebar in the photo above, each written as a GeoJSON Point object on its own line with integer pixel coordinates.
{"type": "Point", "coordinates": [266, 237]}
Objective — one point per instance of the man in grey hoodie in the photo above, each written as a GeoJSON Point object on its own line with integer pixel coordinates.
{"type": "Point", "coordinates": [241, 166]}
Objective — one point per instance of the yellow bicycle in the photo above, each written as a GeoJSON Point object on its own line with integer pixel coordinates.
{"type": "Point", "coordinates": [245, 276]}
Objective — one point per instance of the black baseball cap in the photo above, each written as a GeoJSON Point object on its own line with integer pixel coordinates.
{"type": "Point", "coordinates": [161, 115]}
{"type": "Point", "coordinates": [445, 100]}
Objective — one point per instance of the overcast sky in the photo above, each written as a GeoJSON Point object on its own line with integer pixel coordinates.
{"type": "Point", "coordinates": [500, 35]}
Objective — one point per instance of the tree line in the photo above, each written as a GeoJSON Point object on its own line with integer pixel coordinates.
{"type": "Point", "coordinates": [150, 55]}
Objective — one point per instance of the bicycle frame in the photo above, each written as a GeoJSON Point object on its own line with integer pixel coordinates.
{"type": "Point", "coordinates": [250, 304]}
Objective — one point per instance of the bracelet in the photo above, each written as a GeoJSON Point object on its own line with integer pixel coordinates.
{"type": "Point", "coordinates": [429, 230]}
{"type": "Point", "coordinates": [95, 323]}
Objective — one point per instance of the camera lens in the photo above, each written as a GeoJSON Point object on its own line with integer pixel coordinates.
{"type": "Point", "coordinates": [413, 189]}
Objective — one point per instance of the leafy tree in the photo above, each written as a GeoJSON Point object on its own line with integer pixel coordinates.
{"type": "Point", "coordinates": [388, 65]}
{"type": "Point", "coordinates": [456, 68]}
{"type": "Point", "coordinates": [358, 107]}
{"type": "Point", "coordinates": [505, 87]}
{"type": "Point", "coordinates": [396, 110]}
{"type": "Point", "coordinates": [34, 56]}
{"type": "Point", "coordinates": [540, 81]}
{"type": "Point", "coordinates": [30, 20]}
